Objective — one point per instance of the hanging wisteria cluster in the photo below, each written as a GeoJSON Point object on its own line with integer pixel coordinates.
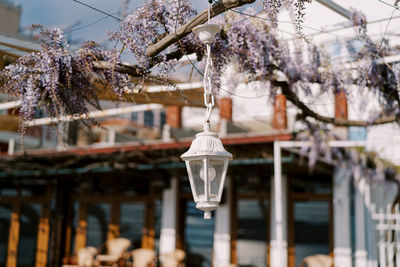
{"type": "Point", "coordinates": [57, 82]}
{"type": "Point", "coordinates": [296, 7]}
{"type": "Point", "coordinates": [150, 23]}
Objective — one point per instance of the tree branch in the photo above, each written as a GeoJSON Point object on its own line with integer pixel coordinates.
{"type": "Point", "coordinates": [136, 71]}
{"type": "Point", "coordinates": [186, 29]}
{"type": "Point", "coordinates": [307, 112]}
{"type": "Point", "coordinates": [133, 71]}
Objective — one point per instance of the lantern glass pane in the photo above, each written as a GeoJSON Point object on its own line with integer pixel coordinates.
{"type": "Point", "coordinates": [215, 172]}
{"type": "Point", "coordinates": [197, 182]}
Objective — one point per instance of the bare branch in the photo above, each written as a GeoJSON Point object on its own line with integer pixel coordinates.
{"type": "Point", "coordinates": [121, 68]}
{"type": "Point", "coordinates": [307, 112]}
{"type": "Point", "coordinates": [134, 70]}
{"type": "Point", "coordinates": [186, 29]}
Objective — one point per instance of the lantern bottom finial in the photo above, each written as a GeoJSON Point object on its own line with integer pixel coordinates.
{"type": "Point", "coordinates": [207, 215]}
{"type": "Point", "coordinates": [207, 207]}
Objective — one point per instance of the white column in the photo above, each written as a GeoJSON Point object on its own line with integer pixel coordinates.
{"type": "Point", "coordinates": [341, 217]}
{"type": "Point", "coordinates": [223, 128]}
{"type": "Point", "coordinates": [11, 146]}
{"type": "Point", "coordinates": [222, 230]}
{"type": "Point", "coordinates": [168, 218]}
{"type": "Point", "coordinates": [359, 208]}
{"type": "Point", "coordinates": [278, 212]}
{"type": "Point", "coordinates": [370, 228]}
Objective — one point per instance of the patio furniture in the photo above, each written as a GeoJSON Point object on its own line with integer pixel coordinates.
{"type": "Point", "coordinates": [85, 258]}
{"type": "Point", "coordinates": [143, 257]}
{"type": "Point", "coordinates": [318, 260]}
{"type": "Point", "coordinates": [115, 252]}
{"type": "Point", "coordinates": [173, 259]}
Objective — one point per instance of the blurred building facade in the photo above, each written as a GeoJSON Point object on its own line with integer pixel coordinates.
{"type": "Point", "coordinates": [126, 179]}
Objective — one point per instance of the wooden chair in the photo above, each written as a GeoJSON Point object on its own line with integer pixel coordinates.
{"type": "Point", "coordinates": [143, 257]}
{"type": "Point", "coordinates": [173, 259]}
{"type": "Point", "coordinates": [318, 260]}
{"type": "Point", "coordinates": [115, 252]}
{"type": "Point", "coordinates": [85, 257]}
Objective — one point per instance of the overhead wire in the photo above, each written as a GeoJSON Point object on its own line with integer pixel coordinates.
{"type": "Point", "coordinates": [278, 21]}
{"type": "Point", "coordinates": [98, 10]}
{"type": "Point", "coordinates": [88, 25]}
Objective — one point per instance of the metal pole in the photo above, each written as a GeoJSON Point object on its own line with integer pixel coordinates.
{"type": "Point", "coordinates": [278, 200]}
{"type": "Point", "coordinates": [336, 8]}
{"type": "Point", "coordinates": [11, 146]}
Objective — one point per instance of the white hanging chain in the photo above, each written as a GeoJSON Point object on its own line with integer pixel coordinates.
{"type": "Point", "coordinates": [208, 95]}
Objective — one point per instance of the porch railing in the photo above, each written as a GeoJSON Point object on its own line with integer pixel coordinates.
{"type": "Point", "coordinates": [388, 226]}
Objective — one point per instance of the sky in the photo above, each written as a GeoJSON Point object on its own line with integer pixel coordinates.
{"type": "Point", "coordinates": [88, 24]}
{"type": "Point", "coordinates": [80, 23]}
{"type": "Point", "coordinates": [68, 14]}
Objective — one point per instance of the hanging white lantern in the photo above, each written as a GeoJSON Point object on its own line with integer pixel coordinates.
{"type": "Point", "coordinates": [207, 160]}
{"type": "Point", "coordinates": [207, 164]}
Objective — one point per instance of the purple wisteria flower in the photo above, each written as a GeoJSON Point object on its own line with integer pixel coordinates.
{"type": "Point", "coordinates": [57, 82]}
{"type": "Point", "coordinates": [150, 23]}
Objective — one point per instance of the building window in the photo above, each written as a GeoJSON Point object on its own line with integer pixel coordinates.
{"type": "Point", "coordinates": [134, 116]}
{"type": "Point", "coordinates": [148, 118]}
{"type": "Point", "coordinates": [163, 118]}
{"type": "Point", "coordinates": [198, 236]}
{"type": "Point", "coordinates": [354, 46]}
{"type": "Point", "coordinates": [252, 232]}
{"type": "Point", "coordinates": [336, 49]}
{"type": "Point", "coordinates": [5, 216]}
{"type": "Point", "coordinates": [311, 225]}
{"type": "Point", "coordinates": [97, 223]}
{"type": "Point", "coordinates": [29, 222]}
{"type": "Point", "coordinates": [131, 226]}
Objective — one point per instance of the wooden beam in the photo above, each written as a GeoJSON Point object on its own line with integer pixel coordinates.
{"type": "Point", "coordinates": [113, 227]}
{"type": "Point", "coordinates": [112, 198]}
{"type": "Point", "coordinates": [13, 238]}
{"type": "Point", "coordinates": [259, 196]}
{"type": "Point", "coordinates": [42, 243]}
{"type": "Point", "coordinates": [148, 233]}
{"type": "Point", "coordinates": [2, 61]}
{"type": "Point", "coordinates": [233, 222]}
{"type": "Point", "coordinates": [68, 226]}
{"type": "Point", "coordinates": [180, 215]}
{"type": "Point", "coordinates": [9, 123]}
{"type": "Point", "coordinates": [187, 97]}
{"type": "Point", "coordinates": [15, 199]}
{"type": "Point", "coordinates": [81, 229]}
